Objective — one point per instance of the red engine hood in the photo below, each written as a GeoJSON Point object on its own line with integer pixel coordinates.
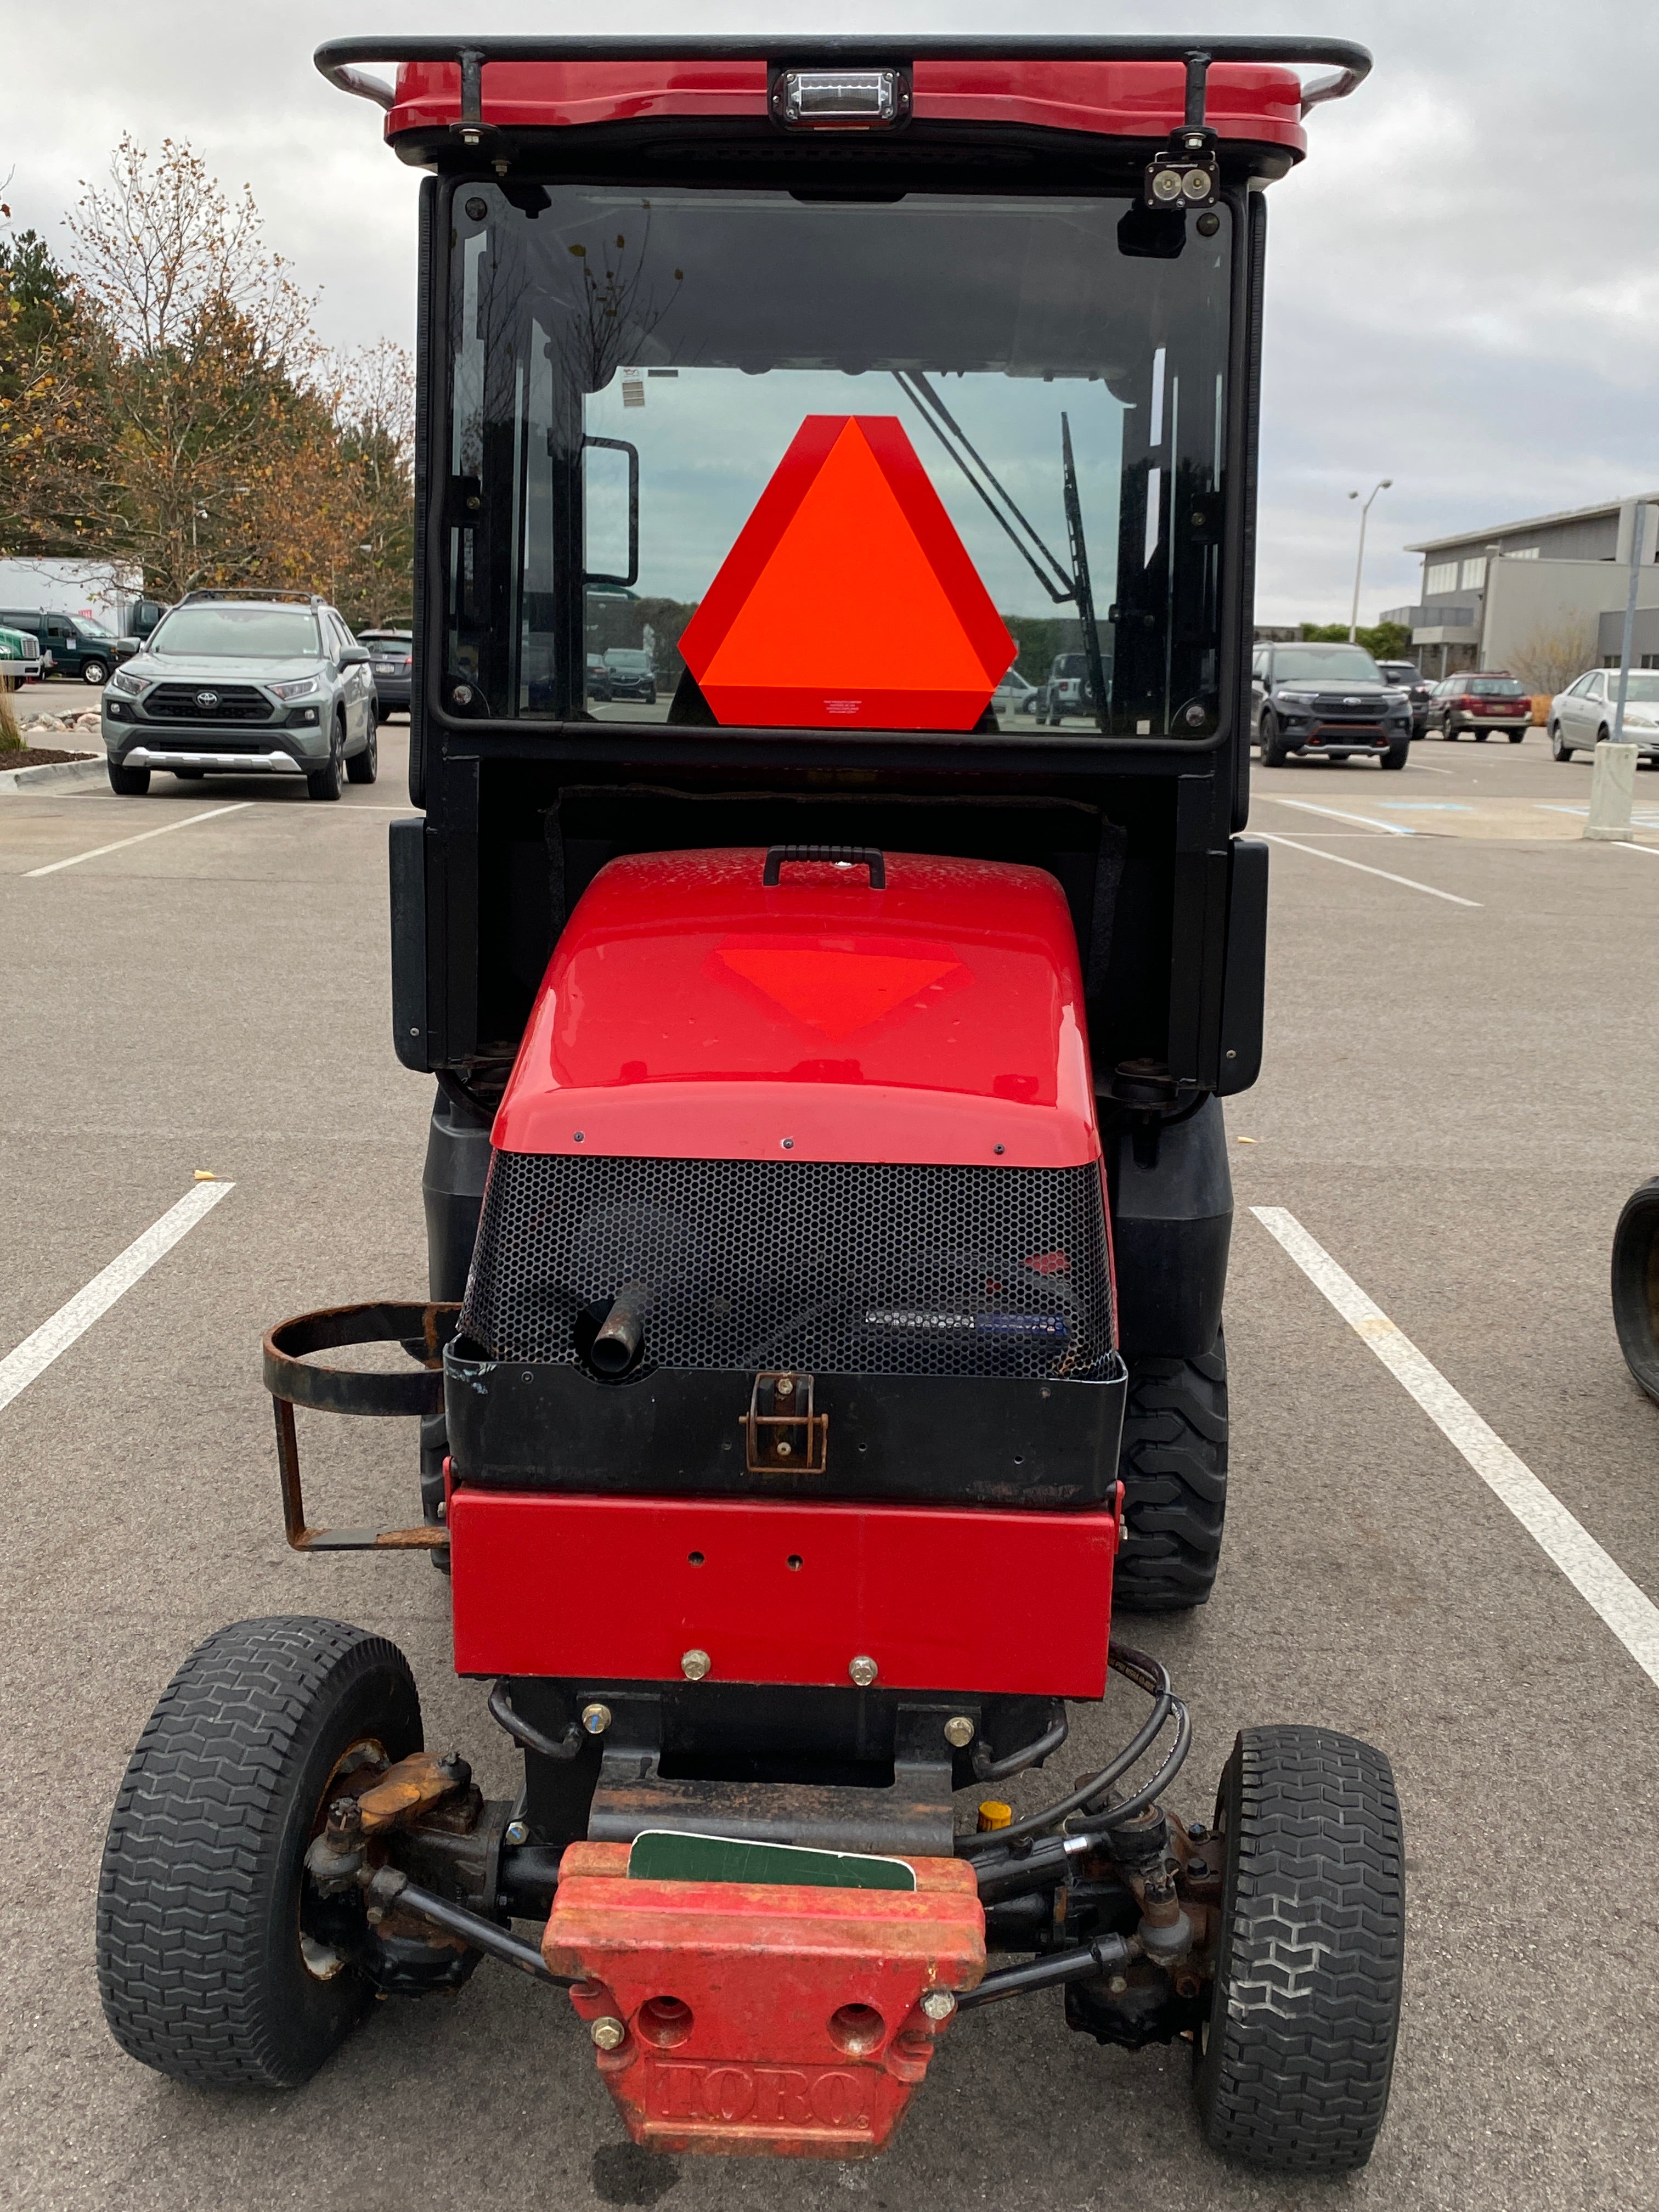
{"type": "Point", "coordinates": [689, 1013]}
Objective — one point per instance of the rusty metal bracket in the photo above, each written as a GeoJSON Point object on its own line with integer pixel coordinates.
{"type": "Point", "coordinates": [293, 1380]}
{"type": "Point", "coordinates": [781, 1430]}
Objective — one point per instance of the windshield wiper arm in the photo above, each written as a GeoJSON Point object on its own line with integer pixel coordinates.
{"type": "Point", "coordinates": [956, 443]}
{"type": "Point", "coordinates": [1084, 593]}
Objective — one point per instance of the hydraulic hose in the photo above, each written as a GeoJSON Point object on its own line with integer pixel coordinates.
{"type": "Point", "coordinates": [1147, 1673]}
{"type": "Point", "coordinates": [525, 1732]}
{"type": "Point", "coordinates": [1028, 1754]}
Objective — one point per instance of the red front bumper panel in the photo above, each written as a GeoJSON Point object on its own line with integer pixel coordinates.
{"type": "Point", "coordinates": [623, 1588]}
{"type": "Point", "coordinates": [757, 2018]}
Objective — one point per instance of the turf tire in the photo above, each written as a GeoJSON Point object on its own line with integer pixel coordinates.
{"type": "Point", "coordinates": [1292, 2071]}
{"type": "Point", "coordinates": [200, 1894]}
{"type": "Point", "coordinates": [1173, 1466]}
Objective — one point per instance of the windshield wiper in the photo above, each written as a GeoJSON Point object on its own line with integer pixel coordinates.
{"type": "Point", "coordinates": [1056, 580]}
{"type": "Point", "coordinates": [1021, 532]}
{"type": "Point", "coordinates": [1082, 591]}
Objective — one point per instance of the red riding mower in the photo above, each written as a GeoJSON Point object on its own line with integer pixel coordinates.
{"type": "Point", "coordinates": [827, 1194]}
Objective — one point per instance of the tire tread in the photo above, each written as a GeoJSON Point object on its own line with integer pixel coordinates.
{"type": "Point", "coordinates": [1173, 1466]}
{"type": "Point", "coordinates": [1301, 2055]}
{"type": "Point", "coordinates": [197, 1838]}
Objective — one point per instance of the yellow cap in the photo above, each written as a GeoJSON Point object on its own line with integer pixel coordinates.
{"type": "Point", "coordinates": [993, 1815]}
{"type": "Point", "coordinates": [205, 1174]}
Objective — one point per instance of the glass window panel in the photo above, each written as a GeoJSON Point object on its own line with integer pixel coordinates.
{"type": "Point", "coordinates": [690, 334]}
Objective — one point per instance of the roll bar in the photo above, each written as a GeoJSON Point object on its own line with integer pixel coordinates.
{"type": "Point", "coordinates": [338, 58]}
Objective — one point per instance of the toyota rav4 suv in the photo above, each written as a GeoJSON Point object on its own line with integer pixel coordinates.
{"type": "Point", "coordinates": [233, 684]}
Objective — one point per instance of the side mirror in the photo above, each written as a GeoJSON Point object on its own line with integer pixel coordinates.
{"type": "Point", "coordinates": [590, 502]}
{"type": "Point", "coordinates": [353, 656]}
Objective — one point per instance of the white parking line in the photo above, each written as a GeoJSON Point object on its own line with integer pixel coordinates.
{"type": "Point", "coordinates": [1366, 821]}
{"type": "Point", "coordinates": [38, 1351]}
{"type": "Point", "coordinates": [1598, 1579]}
{"type": "Point", "coordinates": [1342, 861]}
{"type": "Point", "coordinates": [1629, 845]}
{"type": "Point", "coordinates": [99, 851]}
{"type": "Point", "coordinates": [1644, 817]}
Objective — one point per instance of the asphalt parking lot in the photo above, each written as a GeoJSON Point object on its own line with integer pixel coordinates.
{"type": "Point", "coordinates": [1461, 1085]}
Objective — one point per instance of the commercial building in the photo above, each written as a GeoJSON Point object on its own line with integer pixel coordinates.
{"type": "Point", "coordinates": [1544, 599]}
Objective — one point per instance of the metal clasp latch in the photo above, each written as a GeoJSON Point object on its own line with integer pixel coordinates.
{"type": "Point", "coordinates": [781, 1430]}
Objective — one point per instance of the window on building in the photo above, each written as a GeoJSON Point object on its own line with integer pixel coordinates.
{"type": "Point", "coordinates": [1650, 660]}
{"type": "Point", "coordinates": [1473, 578]}
{"type": "Point", "coordinates": [1443, 577]}
{"type": "Point", "coordinates": [1526, 553]}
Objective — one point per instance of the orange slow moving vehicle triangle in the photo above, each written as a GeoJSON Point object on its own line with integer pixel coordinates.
{"type": "Point", "coordinates": [848, 599]}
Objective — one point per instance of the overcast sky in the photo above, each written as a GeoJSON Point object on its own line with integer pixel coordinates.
{"type": "Point", "coordinates": [1463, 290]}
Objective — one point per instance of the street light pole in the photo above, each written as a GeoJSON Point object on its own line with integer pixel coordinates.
{"type": "Point", "coordinates": [1638, 532]}
{"type": "Point", "coordinates": [1359, 564]}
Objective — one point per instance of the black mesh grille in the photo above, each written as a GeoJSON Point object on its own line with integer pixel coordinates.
{"type": "Point", "coordinates": [231, 703]}
{"type": "Point", "coordinates": [838, 1269]}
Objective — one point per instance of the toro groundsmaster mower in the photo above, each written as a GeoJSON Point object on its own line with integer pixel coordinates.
{"type": "Point", "coordinates": [827, 1195]}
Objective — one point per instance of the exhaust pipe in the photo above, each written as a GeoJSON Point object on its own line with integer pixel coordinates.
{"type": "Point", "coordinates": [620, 1337]}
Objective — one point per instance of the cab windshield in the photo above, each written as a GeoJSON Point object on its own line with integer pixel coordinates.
{"type": "Point", "coordinates": [232, 633]}
{"type": "Point", "coordinates": [628, 370]}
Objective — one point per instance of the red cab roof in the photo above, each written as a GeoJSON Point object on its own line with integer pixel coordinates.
{"type": "Point", "coordinates": [1246, 102]}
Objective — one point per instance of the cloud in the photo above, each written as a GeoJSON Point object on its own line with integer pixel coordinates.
{"type": "Point", "coordinates": [1463, 293]}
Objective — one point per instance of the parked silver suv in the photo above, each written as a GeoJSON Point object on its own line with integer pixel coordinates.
{"type": "Point", "coordinates": [236, 683]}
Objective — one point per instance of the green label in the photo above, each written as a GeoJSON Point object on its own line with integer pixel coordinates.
{"type": "Point", "coordinates": [662, 1854]}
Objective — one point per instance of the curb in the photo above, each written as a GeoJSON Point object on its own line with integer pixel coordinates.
{"type": "Point", "coordinates": [25, 779]}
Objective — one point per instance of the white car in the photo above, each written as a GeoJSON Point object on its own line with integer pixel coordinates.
{"type": "Point", "coordinates": [1013, 695]}
{"type": "Point", "coordinates": [1584, 713]}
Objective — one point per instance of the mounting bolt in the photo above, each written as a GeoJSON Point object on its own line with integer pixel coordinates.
{"type": "Point", "coordinates": [785, 1386]}
{"type": "Point", "coordinates": [958, 1731]}
{"type": "Point", "coordinates": [863, 1671]}
{"type": "Point", "coordinates": [694, 1665]}
{"type": "Point", "coordinates": [518, 1832]}
{"type": "Point", "coordinates": [608, 2032]}
{"type": "Point", "coordinates": [938, 2004]}
{"type": "Point", "coordinates": [1117, 1985]}
{"type": "Point", "coordinates": [596, 1719]}
{"type": "Point", "coordinates": [1197, 1870]}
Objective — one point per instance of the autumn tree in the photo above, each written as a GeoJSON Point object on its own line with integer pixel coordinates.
{"type": "Point", "coordinates": [166, 400]}
{"type": "Point", "coordinates": [53, 435]}
{"type": "Point", "coordinates": [371, 402]}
